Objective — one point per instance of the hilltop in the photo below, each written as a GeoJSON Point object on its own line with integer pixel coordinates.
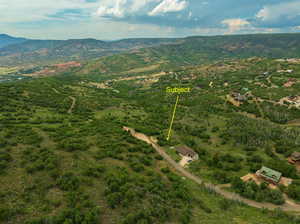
{"type": "Point", "coordinates": [6, 40]}
{"type": "Point", "coordinates": [33, 52]}
{"type": "Point", "coordinates": [176, 51]}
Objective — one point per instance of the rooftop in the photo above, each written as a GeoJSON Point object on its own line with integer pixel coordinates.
{"type": "Point", "coordinates": [269, 173]}
{"type": "Point", "coordinates": [184, 150]}
{"type": "Point", "coordinates": [296, 155]}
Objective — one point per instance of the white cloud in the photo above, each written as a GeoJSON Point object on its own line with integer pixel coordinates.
{"type": "Point", "coordinates": [235, 24]}
{"type": "Point", "coordinates": [169, 6]}
{"type": "Point", "coordinates": [21, 11]}
{"type": "Point", "coordinates": [297, 28]}
{"type": "Point", "coordinates": [139, 4]}
{"type": "Point", "coordinates": [116, 10]}
{"type": "Point", "coordinates": [274, 12]}
{"type": "Point", "coordinates": [122, 8]}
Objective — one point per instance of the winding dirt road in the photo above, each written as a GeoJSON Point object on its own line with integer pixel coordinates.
{"type": "Point", "coordinates": [73, 104]}
{"type": "Point", "coordinates": [229, 195]}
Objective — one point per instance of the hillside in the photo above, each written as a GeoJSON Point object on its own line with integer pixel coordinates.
{"type": "Point", "coordinates": [33, 52]}
{"type": "Point", "coordinates": [65, 157]}
{"type": "Point", "coordinates": [173, 52]}
{"type": "Point", "coordinates": [6, 40]}
{"type": "Point", "coordinates": [200, 50]}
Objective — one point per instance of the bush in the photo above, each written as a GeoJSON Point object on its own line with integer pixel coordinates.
{"type": "Point", "coordinates": [5, 158]}
{"type": "Point", "coordinates": [36, 159]}
{"type": "Point", "coordinates": [95, 171]}
{"type": "Point", "coordinates": [257, 192]}
{"type": "Point", "coordinates": [68, 182]}
{"type": "Point", "coordinates": [225, 204]}
{"type": "Point", "coordinates": [222, 177]}
{"type": "Point", "coordinates": [293, 191]}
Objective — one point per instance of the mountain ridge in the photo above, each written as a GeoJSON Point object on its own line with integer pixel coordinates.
{"type": "Point", "coordinates": [188, 50]}
{"type": "Point", "coordinates": [6, 40]}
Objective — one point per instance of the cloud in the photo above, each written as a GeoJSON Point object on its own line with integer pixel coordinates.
{"type": "Point", "coordinates": [157, 12]}
{"type": "Point", "coordinates": [279, 15]}
{"type": "Point", "coordinates": [235, 24]}
{"type": "Point", "coordinates": [274, 12]}
{"type": "Point", "coordinates": [139, 4]}
{"type": "Point", "coordinates": [124, 18]}
{"type": "Point", "coordinates": [14, 11]}
{"type": "Point", "coordinates": [131, 8]}
{"type": "Point", "coordinates": [169, 6]}
{"type": "Point", "coordinates": [116, 10]}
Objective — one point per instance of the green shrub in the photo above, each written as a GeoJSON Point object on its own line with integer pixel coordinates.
{"type": "Point", "coordinates": [68, 182]}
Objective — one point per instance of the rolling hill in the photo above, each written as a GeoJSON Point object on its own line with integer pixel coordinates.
{"type": "Point", "coordinates": [6, 40]}
{"type": "Point", "coordinates": [53, 51]}
{"type": "Point", "coordinates": [177, 51]}
{"type": "Point", "coordinates": [200, 50]}
{"type": "Point", "coordinates": [65, 156]}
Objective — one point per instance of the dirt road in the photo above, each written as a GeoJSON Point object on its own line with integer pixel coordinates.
{"type": "Point", "coordinates": [73, 104]}
{"type": "Point", "coordinates": [187, 174]}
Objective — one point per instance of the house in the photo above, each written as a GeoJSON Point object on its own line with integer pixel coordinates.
{"type": "Point", "coordinates": [239, 97]}
{"type": "Point", "coordinates": [294, 158]}
{"type": "Point", "coordinates": [187, 152]}
{"type": "Point", "coordinates": [269, 175]}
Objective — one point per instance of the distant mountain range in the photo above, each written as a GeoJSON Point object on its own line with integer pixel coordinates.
{"type": "Point", "coordinates": [19, 51]}
{"type": "Point", "coordinates": [199, 50]}
{"type": "Point", "coordinates": [6, 40]}
{"type": "Point", "coordinates": [185, 51]}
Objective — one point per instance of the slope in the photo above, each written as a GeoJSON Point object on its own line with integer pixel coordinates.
{"type": "Point", "coordinates": [6, 40]}
{"type": "Point", "coordinates": [200, 50]}
{"type": "Point", "coordinates": [53, 51]}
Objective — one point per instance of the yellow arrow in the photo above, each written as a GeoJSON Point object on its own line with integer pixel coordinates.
{"type": "Point", "coordinates": [173, 116]}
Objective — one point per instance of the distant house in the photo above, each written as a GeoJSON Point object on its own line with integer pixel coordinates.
{"type": "Point", "coordinates": [269, 175]}
{"type": "Point", "coordinates": [186, 151]}
{"type": "Point", "coordinates": [239, 97]}
{"type": "Point", "coordinates": [294, 158]}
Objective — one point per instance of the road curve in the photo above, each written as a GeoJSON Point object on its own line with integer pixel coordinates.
{"type": "Point", "coordinates": [196, 179]}
{"type": "Point", "coordinates": [72, 105]}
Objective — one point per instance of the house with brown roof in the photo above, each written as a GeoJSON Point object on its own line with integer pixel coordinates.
{"type": "Point", "coordinates": [239, 97]}
{"type": "Point", "coordinates": [187, 152]}
{"type": "Point", "coordinates": [294, 158]}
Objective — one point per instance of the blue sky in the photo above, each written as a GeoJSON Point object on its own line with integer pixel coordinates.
{"type": "Point", "coordinates": [115, 19]}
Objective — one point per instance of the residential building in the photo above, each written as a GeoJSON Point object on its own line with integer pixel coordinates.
{"type": "Point", "coordinates": [186, 151]}
{"type": "Point", "coordinates": [294, 158]}
{"type": "Point", "coordinates": [269, 175]}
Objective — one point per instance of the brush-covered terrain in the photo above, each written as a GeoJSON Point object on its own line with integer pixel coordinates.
{"type": "Point", "coordinates": [65, 158]}
{"type": "Point", "coordinates": [176, 51]}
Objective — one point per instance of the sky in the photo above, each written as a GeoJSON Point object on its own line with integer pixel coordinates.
{"type": "Point", "coordinates": [117, 19]}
